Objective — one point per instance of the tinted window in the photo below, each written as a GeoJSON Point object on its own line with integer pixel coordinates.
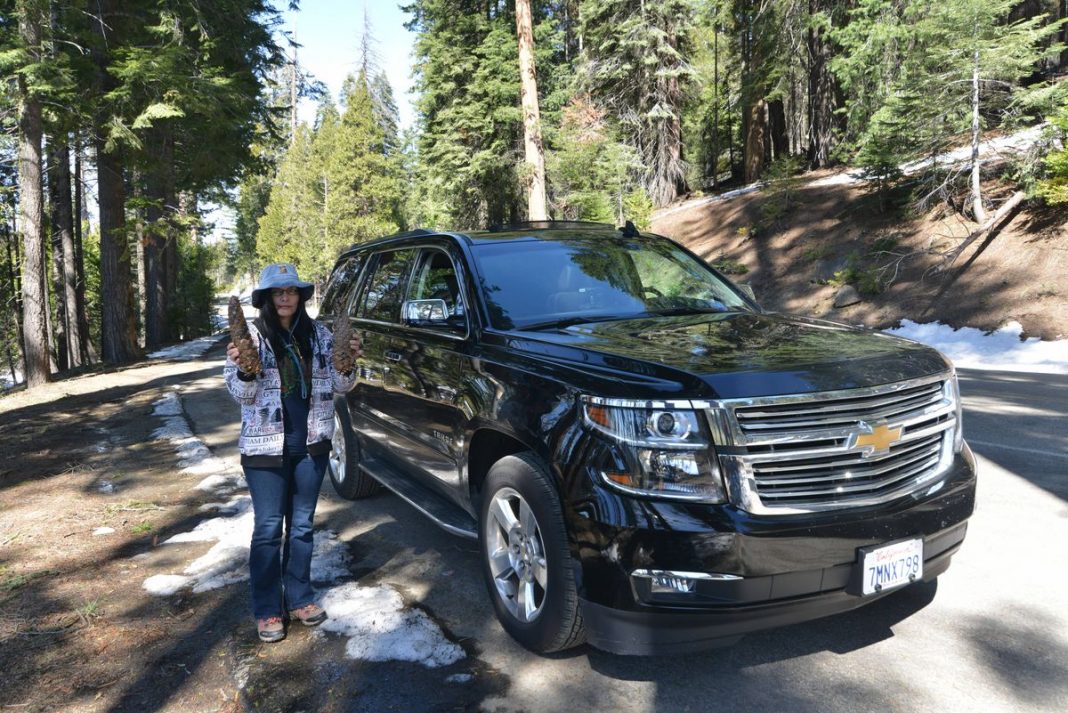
{"type": "Point", "coordinates": [385, 288]}
{"type": "Point", "coordinates": [525, 283]}
{"type": "Point", "coordinates": [436, 279]}
{"type": "Point", "coordinates": [343, 279]}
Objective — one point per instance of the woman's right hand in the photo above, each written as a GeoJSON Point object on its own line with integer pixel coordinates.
{"type": "Point", "coordinates": [232, 353]}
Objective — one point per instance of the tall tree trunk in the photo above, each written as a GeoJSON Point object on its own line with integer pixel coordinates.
{"type": "Point", "coordinates": [58, 325]}
{"type": "Point", "coordinates": [118, 340]}
{"type": "Point", "coordinates": [528, 89]}
{"type": "Point", "coordinates": [85, 344]}
{"type": "Point", "coordinates": [63, 215]}
{"type": "Point", "coordinates": [715, 105]}
{"type": "Point", "coordinates": [31, 212]}
{"type": "Point", "coordinates": [12, 247]}
{"type": "Point", "coordinates": [756, 140]}
{"type": "Point", "coordinates": [823, 94]}
{"type": "Point", "coordinates": [977, 187]}
{"type": "Point", "coordinates": [140, 253]}
{"type": "Point", "coordinates": [777, 129]}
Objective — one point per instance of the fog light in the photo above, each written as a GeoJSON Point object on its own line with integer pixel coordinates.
{"type": "Point", "coordinates": [663, 581]}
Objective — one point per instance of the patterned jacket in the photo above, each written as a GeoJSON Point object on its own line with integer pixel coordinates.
{"type": "Point", "coordinates": [262, 426]}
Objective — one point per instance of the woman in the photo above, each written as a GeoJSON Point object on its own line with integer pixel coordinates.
{"type": "Point", "coordinates": [287, 420]}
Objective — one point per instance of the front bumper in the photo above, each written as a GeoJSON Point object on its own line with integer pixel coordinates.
{"type": "Point", "coordinates": [765, 571]}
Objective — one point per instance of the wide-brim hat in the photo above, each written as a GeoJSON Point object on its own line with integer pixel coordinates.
{"type": "Point", "coordinates": [280, 274]}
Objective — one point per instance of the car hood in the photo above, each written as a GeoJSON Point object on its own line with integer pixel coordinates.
{"type": "Point", "coordinates": [742, 354]}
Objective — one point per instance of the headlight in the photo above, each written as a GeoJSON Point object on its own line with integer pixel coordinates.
{"type": "Point", "coordinates": [951, 393]}
{"type": "Point", "coordinates": [665, 446]}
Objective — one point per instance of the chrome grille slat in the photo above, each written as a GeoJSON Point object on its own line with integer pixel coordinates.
{"type": "Point", "coordinates": [762, 468]}
{"type": "Point", "coordinates": [839, 431]}
{"type": "Point", "coordinates": [861, 488]}
{"type": "Point", "coordinates": [797, 453]}
{"type": "Point", "coordinates": [854, 475]}
{"type": "Point", "coordinates": [747, 413]}
{"type": "Point", "coordinates": [841, 417]}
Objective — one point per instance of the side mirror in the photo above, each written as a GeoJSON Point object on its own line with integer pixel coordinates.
{"type": "Point", "coordinates": [747, 290]}
{"type": "Point", "coordinates": [426, 312]}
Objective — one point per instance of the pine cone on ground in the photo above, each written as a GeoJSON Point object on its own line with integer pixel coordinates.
{"type": "Point", "coordinates": [248, 359]}
{"type": "Point", "coordinates": [344, 359]}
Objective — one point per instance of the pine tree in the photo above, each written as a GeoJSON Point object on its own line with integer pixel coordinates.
{"type": "Point", "coordinates": [636, 66]}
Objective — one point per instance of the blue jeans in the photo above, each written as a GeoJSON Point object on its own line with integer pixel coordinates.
{"type": "Point", "coordinates": [280, 560]}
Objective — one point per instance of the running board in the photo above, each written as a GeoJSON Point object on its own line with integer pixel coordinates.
{"type": "Point", "coordinates": [448, 516]}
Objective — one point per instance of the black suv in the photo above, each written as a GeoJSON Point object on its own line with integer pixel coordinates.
{"type": "Point", "coordinates": [649, 461]}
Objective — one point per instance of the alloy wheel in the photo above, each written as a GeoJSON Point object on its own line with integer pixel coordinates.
{"type": "Point", "coordinates": [516, 555]}
{"type": "Point", "coordinates": [337, 452]}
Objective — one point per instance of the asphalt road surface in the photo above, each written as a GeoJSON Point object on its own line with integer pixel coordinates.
{"type": "Point", "coordinates": [990, 635]}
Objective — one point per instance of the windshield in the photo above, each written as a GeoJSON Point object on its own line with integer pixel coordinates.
{"type": "Point", "coordinates": [544, 283]}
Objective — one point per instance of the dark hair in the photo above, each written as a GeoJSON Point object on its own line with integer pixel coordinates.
{"type": "Point", "coordinates": [272, 330]}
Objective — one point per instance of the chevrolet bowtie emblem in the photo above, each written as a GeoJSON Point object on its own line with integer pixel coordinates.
{"type": "Point", "coordinates": [875, 440]}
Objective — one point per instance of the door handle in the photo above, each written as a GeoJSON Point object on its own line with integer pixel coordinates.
{"type": "Point", "coordinates": [393, 356]}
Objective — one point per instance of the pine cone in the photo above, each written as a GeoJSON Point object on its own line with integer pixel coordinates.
{"type": "Point", "coordinates": [344, 360]}
{"type": "Point", "coordinates": [248, 358]}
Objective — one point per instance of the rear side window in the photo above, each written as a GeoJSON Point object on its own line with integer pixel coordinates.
{"type": "Point", "coordinates": [338, 289]}
{"type": "Point", "coordinates": [385, 288]}
{"type": "Point", "coordinates": [436, 279]}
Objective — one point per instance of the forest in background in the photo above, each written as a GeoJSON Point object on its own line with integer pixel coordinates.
{"type": "Point", "coordinates": [576, 109]}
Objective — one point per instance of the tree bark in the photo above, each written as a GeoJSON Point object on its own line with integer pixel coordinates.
{"type": "Point", "coordinates": [58, 328]}
{"type": "Point", "coordinates": [756, 140]}
{"type": "Point", "coordinates": [823, 94]}
{"type": "Point", "coordinates": [64, 218]}
{"type": "Point", "coordinates": [31, 213]}
{"type": "Point", "coordinates": [777, 129]}
{"type": "Point", "coordinates": [118, 339]}
{"type": "Point", "coordinates": [85, 346]}
{"type": "Point", "coordinates": [977, 186]}
{"type": "Point", "coordinates": [528, 87]}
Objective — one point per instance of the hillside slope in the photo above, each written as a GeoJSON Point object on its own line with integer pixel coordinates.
{"type": "Point", "coordinates": [790, 254]}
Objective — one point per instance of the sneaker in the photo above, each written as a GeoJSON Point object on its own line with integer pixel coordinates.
{"type": "Point", "coordinates": [309, 615]}
{"type": "Point", "coordinates": [271, 629]}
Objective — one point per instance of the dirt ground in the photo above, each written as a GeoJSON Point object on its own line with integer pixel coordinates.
{"type": "Point", "coordinates": [789, 255]}
{"type": "Point", "coordinates": [77, 631]}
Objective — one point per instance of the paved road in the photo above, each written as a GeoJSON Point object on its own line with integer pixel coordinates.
{"type": "Point", "coordinates": [991, 635]}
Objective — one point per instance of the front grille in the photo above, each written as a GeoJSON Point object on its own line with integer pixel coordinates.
{"type": "Point", "coordinates": [812, 452]}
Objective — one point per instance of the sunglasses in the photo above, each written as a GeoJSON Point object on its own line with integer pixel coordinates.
{"type": "Point", "coordinates": [287, 291]}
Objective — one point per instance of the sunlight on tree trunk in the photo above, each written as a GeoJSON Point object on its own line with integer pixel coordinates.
{"type": "Point", "coordinates": [535, 151]}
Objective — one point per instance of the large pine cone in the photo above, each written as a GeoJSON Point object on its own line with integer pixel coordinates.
{"type": "Point", "coordinates": [344, 359]}
{"type": "Point", "coordinates": [248, 358]}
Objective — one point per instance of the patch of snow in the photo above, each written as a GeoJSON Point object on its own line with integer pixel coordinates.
{"type": "Point", "coordinates": [164, 585]}
{"type": "Point", "coordinates": [105, 486]}
{"type": "Point", "coordinates": [330, 558]}
{"type": "Point", "coordinates": [187, 351]}
{"type": "Point", "coordinates": [173, 428]}
{"type": "Point", "coordinates": [168, 405]}
{"type": "Point", "coordinates": [381, 629]}
{"type": "Point", "coordinates": [1002, 350]}
{"type": "Point", "coordinates": [103, 531]}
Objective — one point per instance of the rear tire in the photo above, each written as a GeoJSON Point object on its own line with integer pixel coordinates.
{"type": "Point", "coordinates": [526, 563]}
{"type": "Point", "coordinates": [348, 479]}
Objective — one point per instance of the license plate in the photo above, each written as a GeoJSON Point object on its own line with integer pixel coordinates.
{"type": "Point", "coordinates": [891, 566]}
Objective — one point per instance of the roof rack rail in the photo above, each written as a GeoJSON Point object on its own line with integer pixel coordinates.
{"type": "Point", "coordinates": [547, 224]}
{"type": "Point", "coordinates": [415, 232]}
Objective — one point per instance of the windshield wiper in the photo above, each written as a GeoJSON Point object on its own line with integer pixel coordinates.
{"type": "Point", "coordinates": [673, 311]}
{"type": "Point", "coordinates": [568, 322]}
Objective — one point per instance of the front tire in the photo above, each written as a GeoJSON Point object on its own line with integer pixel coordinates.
{"type": "Point", "coordinates": [348, 479]}
{"type": "Point", "coordinates": [526, 562]}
